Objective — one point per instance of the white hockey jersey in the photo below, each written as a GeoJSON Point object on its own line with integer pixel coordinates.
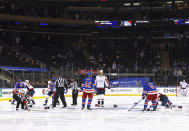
{"type": "Point", "coordinates": [51, 86]}
{"type": "Point", "coordinates": [29, 86]}
{"type": "Point", "coordinates": [101, 81]}
{"type": "Point", "coordinates": [183, 84]}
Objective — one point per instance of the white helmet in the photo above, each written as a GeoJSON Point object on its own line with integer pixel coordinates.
{"type": "Point", "coordinates": [27, 81]}
{"type": "Point", "coordinates": [101, 71]}
{"type": "Point", "coordinates": [49, 82]}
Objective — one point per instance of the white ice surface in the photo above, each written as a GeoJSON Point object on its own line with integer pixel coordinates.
{"type": "Point", "coordinates": [108, 119]}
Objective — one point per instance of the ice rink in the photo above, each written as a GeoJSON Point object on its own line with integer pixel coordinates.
{"type": "Point", "coordinates": [107, 119]}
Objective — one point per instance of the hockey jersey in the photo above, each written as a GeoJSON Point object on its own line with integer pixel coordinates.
{"type": "Point", "coordinates": [51, 86]}
{"type": "Point", "coordinates": [19, 85]}
{"type": "Point", "coordinates": [161, 97]}
{"type": "Point", "coordinates": [149, 88]}
{"type": "Point", "coordinates": [183, 84]}
{"type": "Point", "coordinates": [101, 81]}
{"type": "Point", "coordinates": [28, 86]}
{"type": "Point", "coordinates": [88, 85]}
{"type": "Point", "coordinates": [17, 88]}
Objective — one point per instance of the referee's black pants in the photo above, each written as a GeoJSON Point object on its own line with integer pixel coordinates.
{"type": "Point", "coordinates": [19, 101]}
{"type": "Point", "coordinates": [74, 96]}
{"type": "Point", "coordinates": [59, 93]}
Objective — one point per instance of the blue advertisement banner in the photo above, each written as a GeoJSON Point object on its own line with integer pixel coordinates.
{"type": "Point", "coordinates": [129, 82]}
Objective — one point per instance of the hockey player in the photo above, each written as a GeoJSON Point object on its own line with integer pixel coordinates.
{"type": "Point", "coordinates": [165, 102]}
{"type": "Point", "coordinates": [18, 85]}
{"type": "Point", "coordinates": [183, 89]}
{"type": "Point", "coordinates": [17, 94]}
{"type": "Point", "coordinates": [73, 85]}
{"type": "Point", "coordinates": [88, 86]}
{"type": "Point", "coordinates": [101, 82]}
{"type": "Point", "coordinates": [149, 94]}
{"type": "Point", "coordinates": [51, 90]}
{"type": "Point", "coordinates": [30, 91]}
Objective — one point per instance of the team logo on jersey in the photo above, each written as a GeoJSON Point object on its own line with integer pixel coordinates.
{"type": "Point", "coordinates": [151, 85]}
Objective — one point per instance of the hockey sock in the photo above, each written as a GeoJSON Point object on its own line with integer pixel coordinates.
{"type": "Point", "coordinates": [89, 102]}
{"type": "Point", "coordinates": [102, 102]}
{"type": "Point", "coordinates": [145, 104]}
{"type": "Point", "coordinates": [99, 98]}
{"type": "Point", "coordinates": [53, 99]}
{"type": "Point", "coordinates": [28, 101]}
{"type": "Point", "coordinates": [89, 107]}
{"type": "Point", "coordinates": [154, 103]}
{"type": "Point", "coordinates": [83, 102]}
{"type": "Point", "coordinates": [98, 102]}
{"type": "Point", "coordinates": [33, 101]}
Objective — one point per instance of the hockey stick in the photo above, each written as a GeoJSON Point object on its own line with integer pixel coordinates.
{"type": "Point", "coordinates": [135, 104]}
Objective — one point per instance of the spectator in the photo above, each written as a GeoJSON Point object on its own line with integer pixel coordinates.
{"type": "Point", "coordinates": [180, 75]}
{"type": "Point", "coordinates": [114, 67]}
{"type": "Point", "coordinates": [91, 59]}
{"type": "Point", "coordinates": [1, 49]}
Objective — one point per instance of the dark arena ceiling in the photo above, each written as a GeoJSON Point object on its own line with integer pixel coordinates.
{"type": "Point", "coordinates": [155, 15]}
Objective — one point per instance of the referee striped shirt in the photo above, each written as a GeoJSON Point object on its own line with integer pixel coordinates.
{"type": "Point", "coordinates": [61, 83]}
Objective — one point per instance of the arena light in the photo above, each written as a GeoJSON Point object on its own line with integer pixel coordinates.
{"type": "Point", "coordinates": [127, 4]}
{"type": "Point", "coordinates": [187, 22]}
{"type": "Point", "coordinates": [177, 2]}
{"type": "Point", "coordinates": [169, 2]}
{"type": "Point", "coordinates": [16, 23]}
{"type": "Point", "coordinates": [136, 4]}
{"type": "Point", "coordinates": [103, 0]}
{"type": "Point", "coordinates": [43, 24]}
{"type": "Point", "coordinates": [141, 22]}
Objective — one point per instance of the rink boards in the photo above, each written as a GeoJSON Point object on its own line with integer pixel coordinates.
{"type": "Point", "coordinates": [135, 91]}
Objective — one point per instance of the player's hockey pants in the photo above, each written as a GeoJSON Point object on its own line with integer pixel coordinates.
{"type": "Point", "coordinates": [152, 98]}
{"type": "Point", "coordinates": [84, 97]}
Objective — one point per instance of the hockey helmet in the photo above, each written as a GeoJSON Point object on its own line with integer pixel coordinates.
{"type": "Point", "coordinates": [89, 73]}
{"type": "Point", "coordinates": [53, 78]}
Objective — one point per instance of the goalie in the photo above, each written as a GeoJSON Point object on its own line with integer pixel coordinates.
{"type": "Point", "coordinates": [183, 89]}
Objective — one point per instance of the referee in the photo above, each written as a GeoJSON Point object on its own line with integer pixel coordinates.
{"type": "Point", "coordinates": [60, 84]}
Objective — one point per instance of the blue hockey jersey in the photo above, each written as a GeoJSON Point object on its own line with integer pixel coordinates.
{"type": "Point", "coordinates": [19, 85]}
{"type": "Point", "coordinates": [88, 85]}
{"type": "Point", "coordinates": [149, 88]}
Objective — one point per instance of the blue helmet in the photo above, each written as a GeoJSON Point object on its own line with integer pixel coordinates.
{"type": "Point", "coordinates": [89, 73]}
{"type": "Point", "coordinates": [53, 78]}
{"type": "Point", "coordinates": [19, 80]}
